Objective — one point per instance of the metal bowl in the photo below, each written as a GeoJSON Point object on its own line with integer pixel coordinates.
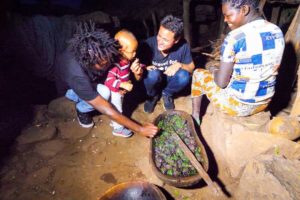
{"type": "Point", "coordinates": [134, 190]}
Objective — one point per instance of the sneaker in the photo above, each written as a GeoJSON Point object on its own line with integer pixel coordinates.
{"type": "Point", "coordinates": [168, 102]}
{"type": "Point", "coordinates": [85, 119]}
{"type": "Point", "coordinates": [150, 104]}
{"type": "Point", "coordinates": [122, 132]}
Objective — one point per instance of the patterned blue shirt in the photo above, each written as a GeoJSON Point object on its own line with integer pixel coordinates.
{"type": "Point", "coordinates": [256, 50]}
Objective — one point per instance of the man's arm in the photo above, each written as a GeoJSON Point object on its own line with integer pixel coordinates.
{"type": "Point", "coordinates": [188, 67]}
{"type": "Point", "coordinates": [171, 70]}
{"type": "Point", "coordinates": [106, 108]}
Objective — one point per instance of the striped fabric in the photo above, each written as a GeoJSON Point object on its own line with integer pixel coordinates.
{"type": "Point", "coordinates": [120, 72]}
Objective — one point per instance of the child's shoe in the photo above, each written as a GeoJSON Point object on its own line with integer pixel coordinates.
{"type": "Point", "coordinates": [122, 132]}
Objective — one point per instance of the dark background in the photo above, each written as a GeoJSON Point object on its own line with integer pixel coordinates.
{"type": "Point", "coordinates": [33, 32]}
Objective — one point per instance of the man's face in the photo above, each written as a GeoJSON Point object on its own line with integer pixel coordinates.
{"type": "Point", "coordinates": [232, 16]}
{"type": "Point", "coordinates": [165, 39]}
{"type": "Point", "coordinates": [102, 65]}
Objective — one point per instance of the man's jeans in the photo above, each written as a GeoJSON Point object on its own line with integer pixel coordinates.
{"type": "Point", "coordinates": [82, 105]}
{"type": "Point", "coordinates": [174, 83]}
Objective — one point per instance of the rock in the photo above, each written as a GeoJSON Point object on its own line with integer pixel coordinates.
{"type": "Point", "coordinates": [234, 142]}
{"type": "Point", "coordinates": [39, 177]}
{"type": "Point", "coordinates": [49, 148]}
{"type": "Point", "coordinates": [286, 127]}
{"type": "Point", "coordinates": [72, 130]}
{"type": "Point", "coordinates": [33, 162]}
{"type": "Point", "coordinates": [62, 108]}
{"type": "Point", "coordinates": [244, 146]}
{"type": "Point", "coordinates": [270, 178]}
{"type": "Point", "coordinates": [39, 114]}
{"type": "Point", "coordinates": [184, 103]}
{"type": "Point", "coordinates": [8, 192]}
{"type": "Point", "coordinates": [36, 134]}
{"type": "Point", "coordinates": [144, 165]}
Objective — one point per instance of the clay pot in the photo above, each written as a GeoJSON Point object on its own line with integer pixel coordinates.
{"type": "Point", "coordinates": [172, 180]}
{"type": "Point", "coordinates": [139, 190]}
{"type": "Point", "coordinates": [286, 127]}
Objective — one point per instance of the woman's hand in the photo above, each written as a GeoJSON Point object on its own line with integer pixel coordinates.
{"type": "Point", "coordinates": [211, 69]}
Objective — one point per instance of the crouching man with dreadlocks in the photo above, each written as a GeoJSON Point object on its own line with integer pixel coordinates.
{"type": "Point", "coordinates": [90, 53]}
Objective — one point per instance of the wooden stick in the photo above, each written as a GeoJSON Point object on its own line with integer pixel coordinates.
{"type": "Point", "coordinates": [208, 54]}
{"type": "Point", "coordinates": [217, 190]}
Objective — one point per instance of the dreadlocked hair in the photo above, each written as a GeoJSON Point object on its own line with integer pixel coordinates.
{"type": "Point", "coordinates": [239, 3]}
{"type": "Point", "coordinates": [92, 45]}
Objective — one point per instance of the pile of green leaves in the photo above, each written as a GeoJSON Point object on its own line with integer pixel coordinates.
{"type": "Point", "coordinates": [169, 158]}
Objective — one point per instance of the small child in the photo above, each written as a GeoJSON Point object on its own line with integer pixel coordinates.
{"type": "Point", "coordinates": [118, 78]}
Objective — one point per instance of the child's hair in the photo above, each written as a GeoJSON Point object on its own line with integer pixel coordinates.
{"type": "Point", "coordinates": [91, 45]}
{"type": "Point", "coordinates": [124, 33]}
{"type": "Point", "coordinates": [173, 24]}
{"type": "Point", "coordinates": [239, 3]}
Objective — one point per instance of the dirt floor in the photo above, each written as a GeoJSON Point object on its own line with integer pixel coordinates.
{"type": "Point", "coordinates": [54, 158]}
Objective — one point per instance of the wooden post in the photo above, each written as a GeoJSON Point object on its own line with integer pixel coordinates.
{"type": "Point", "coordinates": [295, 111]}
{"type": "Point", "coordinates": [155, 28]}
{"type": "Point", "coordinates": [293, 33]}
{"type": "Point", "coordinates": [221, 26]}
{"type": "Point", "coordinates": [293, 36]}
{"type": "Point", "coordinates": [261, 7]}
{"type": "Point", "coordinates": [146, 27]}
{"type": "Point", "coordinates": [186, 21]}
{"type": "Point", "coordinates": [275, 15]}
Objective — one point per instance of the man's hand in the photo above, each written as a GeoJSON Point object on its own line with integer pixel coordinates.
{"type": "Point", "coordinates": [126, 85]}
{"type": "Point", "coordinates": [150, 67]}
{"type": "Point", "coordinates": [103, 106]}
{"type": "Point", "coordinates": [172, 69]}
{"type": "Point", "coordinates": [148, 130]}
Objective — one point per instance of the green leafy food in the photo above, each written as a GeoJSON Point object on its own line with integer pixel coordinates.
{"type": "Point", "coordinates": [169, 158]}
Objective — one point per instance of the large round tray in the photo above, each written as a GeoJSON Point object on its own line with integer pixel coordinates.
{"type": "Point", "coordinates": [179, 181]}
